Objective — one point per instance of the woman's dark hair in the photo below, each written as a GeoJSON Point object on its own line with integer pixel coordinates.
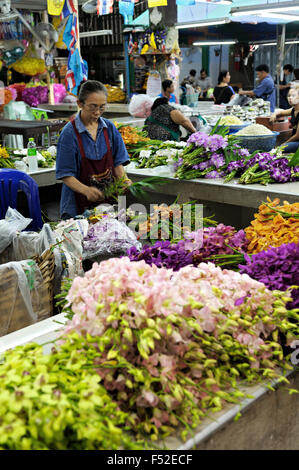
{"type": "Point", "coordinates": [192, 72]}
{"type": "Point", "coordinates": [204, 70]}
{"type": "Point", "coordinates": [88, 87]}
{"type": "Point", "coordinates": [222, 75]}
{"type": "Point", "coordinates": [288, 67]}
{"type": "Point", "coordinates": [296, 73]}
{"type": "Point", "coordinates": [262, 68]}
{"type": "Point", "coordinates": [166, 84]}
{"type": "Point", "coordinates": [158, 102]}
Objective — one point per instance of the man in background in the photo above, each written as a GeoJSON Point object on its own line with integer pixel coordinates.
{"type": "Point", "coordinates": [284, 86]}
{"type": "Point", "coordinates": [168, 91]}
{"type": "Point", "coordinates": [204, 82]}
{"type": "Point", "coordinates": [265, 88]}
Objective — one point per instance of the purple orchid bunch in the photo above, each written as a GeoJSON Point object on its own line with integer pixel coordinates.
{"type": "Point", "coordinates": [265, 168]}
{"type": "Point", "coordinates": [218, 244]}
{"type": "Point", "coordinates": [277, 268]}
{"type": "Point", "coordinates": [207, 156]}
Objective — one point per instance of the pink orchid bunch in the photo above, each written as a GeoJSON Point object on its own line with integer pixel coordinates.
{"type": "Point", "coordinates": [171, 344]}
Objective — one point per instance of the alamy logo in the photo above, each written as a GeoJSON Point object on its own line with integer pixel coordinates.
{"type": "Point", "coordinates": [295, 354]}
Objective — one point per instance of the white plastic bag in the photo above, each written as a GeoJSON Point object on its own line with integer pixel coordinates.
{"type": "Point", "coordinates": [140, 106]}
{"type": "Point", "coordinates": [24, 296]}
{"type": "Point", "coordinates": [71, 233]}
{"type": "Point", "coordinates": [108, 236]}
{"type": "Point", "coordinates": [13, 222]}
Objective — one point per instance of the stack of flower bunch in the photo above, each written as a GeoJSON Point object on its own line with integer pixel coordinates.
{"type": "Point", "coordinates": [273, 225]}
{"type": "Point", "coordinates": [162, 153]}
{"type": "Point", "coordinates": [167, 222]}
{"type": "Point", "coordinates": [218, 244]}
{"type": "Point", "coordinates": [133, 137]}
{"type": "Point", "coordinates": [170, 347]}
{"type": "Point", "coordinates": [274, 239]}
{"type": "Point", "coordinates": [263, 168]}
{"type": "Point", "coordinates": [5, 160]}
{"type": "Point", "coordinates": [207, 156]}
{"type": "Point", "coordinates": [115, 94]}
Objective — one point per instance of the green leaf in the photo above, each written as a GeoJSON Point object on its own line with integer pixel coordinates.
{"type": "Point", "coordinates": [295, 159]}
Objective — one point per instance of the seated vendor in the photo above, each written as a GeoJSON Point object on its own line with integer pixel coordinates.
{"type": "Point", "coordinates": [292, 144]}
{"type": "Point", "coordinates": [90, 153]}
{"type": "Point", "coordinates": [165, 121]}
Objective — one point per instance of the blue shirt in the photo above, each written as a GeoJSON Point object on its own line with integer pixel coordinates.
{"type": "Point", "coordinates": [68, 159]}
{"type": "Point", "coordinates": [172, 98]}
{"type": "Point", "coordinates": [266, 91]}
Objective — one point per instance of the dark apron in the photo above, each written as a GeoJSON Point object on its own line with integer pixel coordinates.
{"type": "Point", "coordinates": [98, 173]}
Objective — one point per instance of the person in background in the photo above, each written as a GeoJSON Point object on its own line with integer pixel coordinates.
{"type": "Point", "coordinates": [265, 88]}
{"type": "Point", "coordinates": [165, 121]}
{"type": "Point", "coordinates": [204, 82]}
{"type": "Point", "coordinates": [192, 79]}
{"type": "Point", "coordinates": [167, 91]}
{"type": "Point", "coordinates": [223, 92]}
{"type": "Point", "coordinates": [284, 87]}
{"type": "Point", "coordinates": [90, 153]}
{"type": "Point", "coordinates": [292, 144]}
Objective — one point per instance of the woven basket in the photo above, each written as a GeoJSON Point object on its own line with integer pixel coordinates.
{"type": "Point", "coordinates": [46, 264]}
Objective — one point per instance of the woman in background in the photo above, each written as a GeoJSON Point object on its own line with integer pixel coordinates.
{"type": "Point", "coordinates": [292, 144]}
{"type": "Point", "coordinates": [165, 121]}
{"type": "Point", "coordinates": [223, 93]}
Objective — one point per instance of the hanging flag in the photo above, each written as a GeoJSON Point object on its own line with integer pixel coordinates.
{"type": "Point", "coordinates": [126, 8]}
{"type": "Point", "coordinates": [157, 3]}
{"type": "Point", "coordinates": [130, 45]}
{"type": "Point", "coordinates": [68, 9]}
{"type": "Point", "coordinates": [55, 7]}
{"type": "Point", "coordinates": [185, 2]}
{"type": "Point", "coordinates": [77, 72]}
{"type": "Point", "coordinates": [104, 7]}
{"type": "Point", "coordinates": [70, 35]}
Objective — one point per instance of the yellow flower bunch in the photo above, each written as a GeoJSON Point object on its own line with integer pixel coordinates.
{"type": "Point", "coordinates": [273, 225]}
{"type": "Point", "coordinates": [3, 152]}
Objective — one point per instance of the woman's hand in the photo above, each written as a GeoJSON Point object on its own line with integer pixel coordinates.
{"type": "Point", "coordinates": [273, 116]}
{"type": "Point", "coordinates": [94, 194]}
{"type": "Point", "coordinates": [128, 182]}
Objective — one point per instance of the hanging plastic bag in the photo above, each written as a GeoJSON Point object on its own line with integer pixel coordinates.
{"type": "Point", "coordinates": [140, 106]}
{"type": "Point", "coordinates": [30, 64]}
{"type": "Point", "coordinates": [13, 222]}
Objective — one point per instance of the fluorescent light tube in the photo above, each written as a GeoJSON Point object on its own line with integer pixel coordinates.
{"type": "Point", "coordinates": [212, 43]}
{"type": "Point", "coordinates": [89, 34]}
{"type": "Point", "coordinates": [221, 2]}
{"type": "Point", "coordinates": [266, 8]}
{"type": "Point", "coordinates": [279, 16]}
{"type": "Point", "coordinates": [203, 23]}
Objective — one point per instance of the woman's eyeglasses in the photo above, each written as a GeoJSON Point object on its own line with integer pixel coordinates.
{"type": "Point", "coordinates": [95, 107]}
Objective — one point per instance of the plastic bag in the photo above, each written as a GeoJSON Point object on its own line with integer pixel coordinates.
{"type": "Point", "coordinates": [13, 222]}
{"type": "Point", "coordinates": [108, 236]}
{"type": "Point", "coordinates": [140, 106]}
{"type": "Point", "coordinates": [71, 234]}
{"type": "Point", "coordinates": [24, 296]}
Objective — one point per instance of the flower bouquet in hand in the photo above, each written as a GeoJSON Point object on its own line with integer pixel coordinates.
{"type": "Point", "coordinates": [122, 186]}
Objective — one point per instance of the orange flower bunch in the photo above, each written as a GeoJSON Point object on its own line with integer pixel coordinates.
{"type": "Point", "coordinates": [132, 135]}
{"type": "Point", "coordinates": [273, 226]}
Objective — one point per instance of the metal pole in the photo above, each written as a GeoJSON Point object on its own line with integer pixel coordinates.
{"type": "Point", "coordinates": [281, 47]}
{"type": "Point", "coordinates": [127, 63]}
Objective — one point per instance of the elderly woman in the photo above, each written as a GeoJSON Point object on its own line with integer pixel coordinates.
{"type": "Point", "coordinates": [165, 121]}
{"type": "Point", "coordinates": [90, 153]}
